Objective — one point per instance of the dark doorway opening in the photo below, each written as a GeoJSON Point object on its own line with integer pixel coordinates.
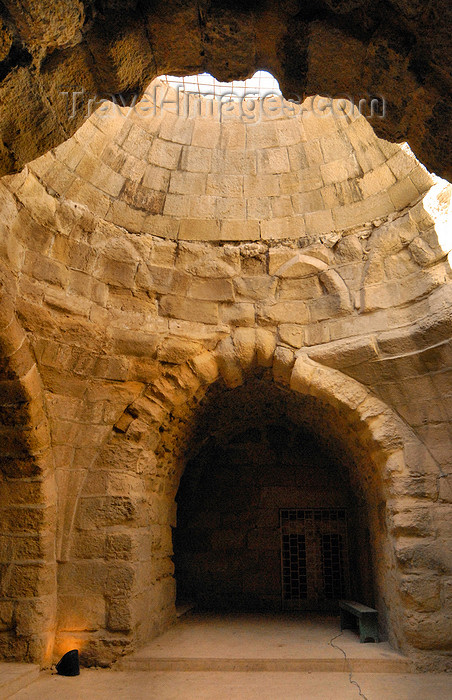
{"type": "Point", "coordinates": [264, 509]}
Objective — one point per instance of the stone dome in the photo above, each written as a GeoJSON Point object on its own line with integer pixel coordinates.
{"type": "Point", "coordinates": [200, 170]}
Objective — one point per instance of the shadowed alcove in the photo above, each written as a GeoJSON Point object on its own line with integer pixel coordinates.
{"type": "Point", "coordinates": [268, 500]}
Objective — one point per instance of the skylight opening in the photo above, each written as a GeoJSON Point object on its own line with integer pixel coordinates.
{"type": "Point", "coordinates": [261, 85]}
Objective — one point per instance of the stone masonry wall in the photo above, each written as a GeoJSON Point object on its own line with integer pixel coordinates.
{"type": "Point", "coordinates": [129, 320]}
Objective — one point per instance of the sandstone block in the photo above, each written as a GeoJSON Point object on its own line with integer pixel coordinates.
{"type": "Point", "coordinates": [244, 340]}
{"type": "Point", "coordinates": [402, 193]}
{"type": "Point", "coordinates": [228, 363]}
{"type": "Point", "coordinates": [301, 266]}
{"type": "Point", "coordinates": [156, 178]}
{"type": "Point", "coordinates": [239, 230]}
{"type": "Point", "coordinates": [291, 334]}
{"type": "Point", "coordinates": [116, 273]}
{"type": "Point", "coordinates": [318, 222]}
{"type": "Point", "coordinates": [283, 362]}
{"type": "Point", "coordinates": [265, 347]}
{"type": "Point", "coordinates": [119, 615]}
{"type": "Point", "coordinates": [81, 613]}
{"type": "Point", "coordinates": [302, 289]}
{"type": "Point", "coordinates": [205, 366]}
{"type": "Point", "coordinates": [284, 312]}
{"type": "Point", "coordinates": [165, 154]}
{"type": "Point", "coordinates": [186, 309]}
{"type": "Point", "coordinates": [196, 159]}
{"type": "Point", "coordinates": [214, 289]}
{"type": "Point", "coordinates": [285, 227]}
{"type": "Point", "coordinates": [199, 230]}
{"type": "Point", "coordinates": [239, 314]}
{"type": "Point", "coordinates": [177, 350]}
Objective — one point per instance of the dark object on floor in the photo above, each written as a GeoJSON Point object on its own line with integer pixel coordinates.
{"type": "Point", "coordinates": [69, 664]}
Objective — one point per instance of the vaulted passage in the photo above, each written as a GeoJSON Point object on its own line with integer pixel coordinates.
{"type": "Point", "coordinates": [266, 506]}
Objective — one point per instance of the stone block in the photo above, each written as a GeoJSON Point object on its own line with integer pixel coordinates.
{"type": "Point", "coordinates": [318, 222]}
{"type": "Point", "coordinates": [310, 179]}
{"type": "Point", "coordinates": [165, 154]}
{"type": "Point", "coordinates": [238, 314]}
{"type": "Point", "coordinates": [183, 182]}
{"type": "Point", "coordinates": [202, 206]}
{"type": "Point", "coordinates": [156, 178]}
{"type": "Point", "coordinates": [273, 160]}
{"type": "Point", "coordinates": [233, 136]}
{"type": "Point", "coordinates": [199, 230]}
{"type": "Point", "coordinates": [286, 227]}
{"type": "Point", "coordinates": [239, 230]}
{"type": "Point", "coordinates": [401, 163]}
{"type": "Point", "coordinates": [262, 135]}
{"type": "Point", "coordinates": [196, 159]}
{"type": "Point", "coordinates": [259, 207]}
{"type": "Point", "coordinates": [412, 521]}
{"type": "Point", "coordinates": [81, 613]}
{"type": "Point", "coordinates": [283, 362]}
{"type": "Point", "coordinates": [91, 197]}
{"type": "Point", "coordinates": [244, 340]}
{"type": "Point", "coordinates": [189, 310]}
{"type": "Point", "coordinates": [177, 129]}
{"type": "Point", "coordinates": [119, 615]}
{"type": "Point", "coordinates": [116, 273]}
{"type": "Point", "coordinates": [161, 226]}
{"type": "Point", "coordinates": [429, 631]}
{"type": "Point", "coordinates": [205, 366]}
{"type": "Point", "coordinates": [307, 201]}
{"type": "Point", "coordinates": [335, 147]}
{"type": "Point", "coordinates": [283, 312]}
{"type": "Point", "coordinates": [263, 185]}
{"type": "Point", "coordinates": [213, 289]}
{"type": "Point", "coordinates": [222, 185]}
{"type": "Point", "coordinates": [421, 592]}
{"type": "Point", "coordinates": [206, 133]}
{"type": "Point", "coordinates": [445, 488]}
{"type": "Point", "coordinates": [230, 208]}
{"type": "Point", "coordinates": [43, 268]}
{"type": "Point", "coordinates": [376, 180]}
{"type": "Point", "coordinates": [402, 193]}
{"type": "Point", "coordinates": [291, 334]}
{"type": "Point", "coordinates": [134, 343]}
{"type": "Point", "coordinates": [178, 350]}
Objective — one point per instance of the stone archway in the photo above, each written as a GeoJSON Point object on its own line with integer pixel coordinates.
{"type": "Point", "coordinates": [27, 498]}
{"type": "Point", "coordinates": [128, 525]}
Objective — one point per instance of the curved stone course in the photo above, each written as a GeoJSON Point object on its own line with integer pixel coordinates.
{"type": "Point", "coordinates": [219, 178]}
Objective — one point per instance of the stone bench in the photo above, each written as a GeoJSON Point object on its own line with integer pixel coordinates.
{"type": "Point", "coordinates": [367, 619]}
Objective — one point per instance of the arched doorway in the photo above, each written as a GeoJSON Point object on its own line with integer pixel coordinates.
{"type": "Point", "coordinates": [271, 511]}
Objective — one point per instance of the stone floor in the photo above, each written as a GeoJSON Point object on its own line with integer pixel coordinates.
{"type": "Point", "coordinates": [262, 642]}
{"type": "Point", "coordinates": [147, 685]}
{"type": "Point", "coordinates": [249, 657]}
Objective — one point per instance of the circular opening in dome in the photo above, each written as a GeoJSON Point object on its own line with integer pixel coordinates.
{"type": "Point", "coordinates": [261, 84]}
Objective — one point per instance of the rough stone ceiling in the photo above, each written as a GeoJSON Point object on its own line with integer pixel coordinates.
{"type": "Point", "coordinates": [399, 50]}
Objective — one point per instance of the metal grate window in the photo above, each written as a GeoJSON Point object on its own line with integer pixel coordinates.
{"type": "Point", "coordinates": [294, 566]}
{"type": "Point", "coordinates": [314, 557]}
{"type": "Point", "coordinates": [260, 85]}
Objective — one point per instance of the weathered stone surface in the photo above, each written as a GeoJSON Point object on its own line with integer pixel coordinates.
{"type": "Point", "coordinates": [62, 51]}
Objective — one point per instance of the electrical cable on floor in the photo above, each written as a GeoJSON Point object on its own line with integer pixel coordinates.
{"type": "Point", "coordinates": [350, 672]}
